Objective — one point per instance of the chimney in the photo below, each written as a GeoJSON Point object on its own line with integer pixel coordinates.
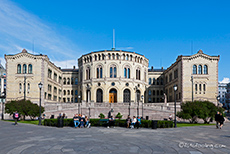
{"type": "Point", "coordinates": [162, 68]}
{"type": "Point", "coordinates": [151, 67]}
{"type": "Point", "coordinates": [74, 67]}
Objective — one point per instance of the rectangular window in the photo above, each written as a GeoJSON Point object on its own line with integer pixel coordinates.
{"type": "Point", "coordinates": [55, 77]}
{"type": "Point", "coordinates": [149, 92]}
{"type": "Point", "coordinates": [199, 87]}
{"type": "Point", "coordinates": [153, 81]}
{"type": "Point", "coordinates": [195, 87]}
{"type": "Point", "coordinates": [59, 79]}
{"type": "Point", "coordinates": [149, 100]}
{"type": "Point", "coordinates": [49, 96]}
{"type": "Point", "coordinates": [150, 81]}
{"type": "Point", "coordinates": [115, 72]}
{"type": "Point", "coordinates": [170, 77]}
{"type": "Point", "coordinates": [55, 90]}
{"type": "Point", "coordinates": [175, 74]}
{"type": "Point", "coordinates": [111, 72]}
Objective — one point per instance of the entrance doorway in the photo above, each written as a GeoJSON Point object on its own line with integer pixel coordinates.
{"type": "Point", "coordinates": [113, 96]}
{"type": "Point", "coordinates": [99, 96]}
{"type": "Point", "coordinates": [126, 96]}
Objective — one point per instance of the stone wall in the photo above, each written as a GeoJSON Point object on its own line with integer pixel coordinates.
{"type": "Point", "coordinates": [157, 111]}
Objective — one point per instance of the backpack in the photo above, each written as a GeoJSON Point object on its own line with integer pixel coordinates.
{"type": "Point", "coordinates": [16, 115]}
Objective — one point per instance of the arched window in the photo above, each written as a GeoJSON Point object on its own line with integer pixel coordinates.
{"type": "Point", "coordinates": [131, 57]}
{"type": "Point", "coordinates": [30, 69]}
{"type": "Point", "coordinates": [138, 74]}
{"type": "Point", "coordinates": [199, 69]}
{"type": "Point", "coordinates": [20, 87]}
{"type": "Point", "coordinates": [127, 57]}
{"type": "Point", "coordinates": [99, 57]}
{"type": "Point", "coordinates": [117, 56]}
{"type": "Point", "coordinates": [113, 55]}
{"type": "Point", "coordinates": [99, 72]}
{"type": "Point", "coordinates": [127, 72]}
{"type": "Point", "coordinates": [204, 87]}
{"type": "Point", "coordinates": [71, 92]}
{"type": "Point", "coordinates": [95, 57]}
{"type": "Point", "coordinates": [150, 81]}
{"type": "Point", "coordinates": [24, 69]}
{"type": "Point", "coordinates": [64, 80]}
{"type": "Point", "coordinates": [87, 73]}
{"type": "Point", "coordinates": [28, 88]}
{"type": "Point", "coordinates": [68, 92]}
{"type": "Point", "coordinates": [19, 69]}
{"type": "Point", "coordinates": [113, 71]}
{"type": "Point", "coordinates": [194, 69]}
{"type": "Point", "coordinates": [76, 93]}
{"type": "Point", "coordinates": [72, 81]}
{"type": "Point", "coordinates": [68, 81]}
{"type": "Point", "coordinates": [64, 92]}
{"type": "Point", "coordinates": [109, 56]}
{"type": "Point", "coordinates": [205, 69]}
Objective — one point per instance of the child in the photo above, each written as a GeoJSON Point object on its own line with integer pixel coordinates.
{"type": "Point", "coordinates": [81, 123]}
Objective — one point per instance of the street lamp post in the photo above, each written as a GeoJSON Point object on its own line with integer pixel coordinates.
{"type": "Point", "coordinates": [24, 87]}
{"type": "Point", "coordinates": [192, 87]}
{"type": "Point", "coordinates": [142, 98]}
{"type": "Point", "coordinates": [40, 87]}
{"type": "Point", "coordinates": [175, 89]}
{"type": "Point", "coordinates": [2, 98]}
{"type": "Point", "coordinates": [129, 106]}
{"type": "Point", "coordinates": [79, 99]}
{"type": "Point", "coordinates": [218, 100]}
{"type": "Point", "coordinates": [89, 111]}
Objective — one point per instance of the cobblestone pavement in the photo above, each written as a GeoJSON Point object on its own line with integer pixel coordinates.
{"type": "Point", "coordinates": [29, 139]}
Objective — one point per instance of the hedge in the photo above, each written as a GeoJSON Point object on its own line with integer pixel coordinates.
{"type": "Point", "coordinates": [103, 123]}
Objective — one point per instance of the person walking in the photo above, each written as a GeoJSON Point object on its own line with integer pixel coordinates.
{"type": "Point", "coordinates": [217, 119]}
{"type": "Point", "coordinates": [221, 120]}
{"type": "Point", "coordinates": [16, 117]}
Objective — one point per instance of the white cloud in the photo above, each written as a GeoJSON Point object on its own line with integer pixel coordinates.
{"type": "Point", "coordinates": [225, 80]}
{"type": "Point", "coordinates": [3, 62]}
{"type": "Point", "coordinates": [125, 48]}
{"type": "Point", "coordinates": [20, 29]}
{"type": "Point", "coordinates": [66, 64]}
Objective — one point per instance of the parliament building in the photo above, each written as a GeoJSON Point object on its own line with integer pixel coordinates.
{"type": "Point", "coordinates": [112, 76]}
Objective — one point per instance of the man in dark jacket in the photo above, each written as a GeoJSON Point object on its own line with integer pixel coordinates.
{"type": "Point", "coordinates": [16, 117]}
{"type": "Point", "coordinates": [217, 119]}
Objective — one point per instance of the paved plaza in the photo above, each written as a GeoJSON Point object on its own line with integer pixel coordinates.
{"type": "Point", "coordinates": [29, 139]}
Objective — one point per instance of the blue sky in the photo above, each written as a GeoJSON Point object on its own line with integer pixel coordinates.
{"type": "Point", "coordinates": [160, 30]}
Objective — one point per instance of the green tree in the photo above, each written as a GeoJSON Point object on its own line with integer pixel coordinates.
{"type": "Point", "coordinates": [102, 116]}
{"type": "Point", "coordinates": [119, 116]}
{"type": "Point", "coordinates": [198, 109]}
{"type": "Point", "coordinates": [24, 108]}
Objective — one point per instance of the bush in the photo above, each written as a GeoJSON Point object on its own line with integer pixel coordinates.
{"type": "Point", "coordinates": [118, 123]}
{"type": "Point", "coordinates": [24, 108]}
{"type": "Point", "coordinates": [119, 116]}
{"type": "Point", "coordinates": [198, 109]}
{"type": "Point", "coordinates": [102, 116]}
